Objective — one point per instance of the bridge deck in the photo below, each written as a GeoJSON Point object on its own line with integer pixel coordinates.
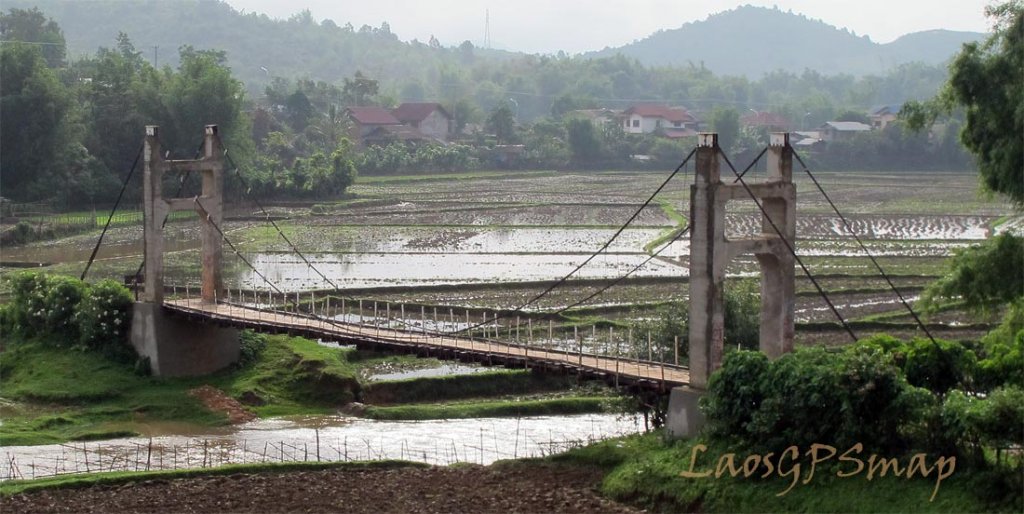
{"type": "Point", "coordinates": [623, 371]}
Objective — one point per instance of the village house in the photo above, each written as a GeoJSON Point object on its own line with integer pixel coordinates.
{"type": "Point", "coordinates": [669, 121]}
{"type": "Point", "coordinates": [841, 130]}
{"type": "Point", "coordinates": [368, 119]}
{"type": "Point", "coordinates": [884, 115]}
{"type": "Point", "coordinates": [430, 119]}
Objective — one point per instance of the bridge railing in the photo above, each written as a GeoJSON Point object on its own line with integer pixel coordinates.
{"type": "Point", "coordinates": [384, 322]}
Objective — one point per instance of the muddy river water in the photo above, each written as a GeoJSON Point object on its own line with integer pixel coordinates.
{"type": "Point", "coordinates": [323, 438]}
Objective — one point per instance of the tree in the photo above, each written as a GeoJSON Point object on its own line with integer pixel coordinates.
{"type": "Point", "coordinates": [359, 90]}
{"type": "Point", "coordinates": [726, 121]}
{"type": "Point", "coordinates": [985, 81]}
{"type": "Point", "coordinates": [37, 133]}
{"type": "Point", "coordinates": [32, 26]}
{"type": "Point", "coordinates": [583, 140]}
{"type": "Point", "coordinates": [502, 123]}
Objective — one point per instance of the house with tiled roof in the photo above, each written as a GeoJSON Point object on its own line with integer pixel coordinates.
{"type": "Point", "coordinates": [648, 118]}
{"type": "Point", "coordinates": [368, 119]}
{"type": "Point", "coordinates": [430, 118]}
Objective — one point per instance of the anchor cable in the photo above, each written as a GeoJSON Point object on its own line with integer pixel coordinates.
{"type": "Point", "coordinates": [789, 247]}
{"type": "Point", "coordinates": [110, 218]}
{"type": "Point", "coordinates": [874, 261]}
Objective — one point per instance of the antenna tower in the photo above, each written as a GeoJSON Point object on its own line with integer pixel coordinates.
{"type": "Point", "coordinates": [487, 29]}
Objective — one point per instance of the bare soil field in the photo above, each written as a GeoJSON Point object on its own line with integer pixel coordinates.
{"type": "Point", "coordinates": [470, 488]}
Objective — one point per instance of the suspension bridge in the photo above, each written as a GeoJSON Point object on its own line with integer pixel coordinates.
{"type": "Point", "coordinates": [194, 331]}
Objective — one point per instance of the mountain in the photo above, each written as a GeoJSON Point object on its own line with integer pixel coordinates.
{"type": "Point", "coordinates": [752, 41]}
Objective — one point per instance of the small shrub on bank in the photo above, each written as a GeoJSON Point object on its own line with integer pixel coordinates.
{"type": "Point", "coordinates": [250, 347]}
{"type": "Point", "coordinates": [62, 300]}
{"type": "Point", "coordinates": [104, 318]}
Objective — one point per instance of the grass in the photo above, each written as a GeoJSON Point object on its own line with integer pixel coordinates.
{"type": "Point", "coordinates": [468, 175]}
{"type": "Point", "coordinates": [644, 470]}
{"type": "Point", "coordinates": [12, 487]}
{"type": "Point", "coordinates": [56, 394]}
{"type": "Point", "coordinates": [489, 409]}
{"type": "Point", "coordinates": [476, 385]}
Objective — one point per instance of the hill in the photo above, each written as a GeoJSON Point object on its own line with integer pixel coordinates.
{"type": "Point", "coordinates": [752, 41]}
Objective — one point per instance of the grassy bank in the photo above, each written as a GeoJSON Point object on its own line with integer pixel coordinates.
{"type": "Point", "coordinates": [55, 394]}
{"type": "Point", "coordinates": [457, 387]}
{"type": "Point", "coordinates": [644, 470]}
{"type": "Point", "coordinates": [489, 409]}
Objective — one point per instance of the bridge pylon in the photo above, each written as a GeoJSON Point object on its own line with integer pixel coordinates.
{"type": "Point", "coordinates": [710, 254]}
{"type": "Point", "coordinates": [174, 346]}
{"type": "Point", "coordinates": [209, 205]}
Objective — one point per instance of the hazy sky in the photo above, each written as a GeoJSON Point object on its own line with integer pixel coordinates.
{"type": "Point", "coordinates": [546, 26]}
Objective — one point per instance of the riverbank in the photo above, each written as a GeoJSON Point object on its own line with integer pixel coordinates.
{"type": "Point", "coordinates": [617, 475]}
{"type": "Point", "coordinates": [56, 394]}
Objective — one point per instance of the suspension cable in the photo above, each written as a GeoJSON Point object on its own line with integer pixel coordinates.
{"type": "Point", "coordinates": [675, 238]}
{"type": "Point", "coordinates": [245, 186]}
{"type": "Point", "coordinates": [863, 247]}
{"type": "Point", "coordinates": [110, 218]}
{"type": "Point", "coordinates": [789, 247]}
{"type": "Point", "coordinates": [604, 247]}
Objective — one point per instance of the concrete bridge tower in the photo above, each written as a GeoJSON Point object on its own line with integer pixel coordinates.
{"type": "Point", "coordinates": [175, 347]}
{"type": "Point", "coordinates": [710, 254]}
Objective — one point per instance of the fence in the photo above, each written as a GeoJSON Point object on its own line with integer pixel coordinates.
{"type": "Point", "coordinates": [151, 455]}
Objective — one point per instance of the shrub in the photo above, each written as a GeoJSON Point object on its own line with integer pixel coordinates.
{"type": "Point", "coordinates": [735, 393]}
{"type": "Point", "coordinates": [813, 396]}
{"type": "Point", "coordinates": [251, 345]}
{"type": "Point", "coordinates": [743, 315]}
{"type": "Point", "coordinates": [938, 366]}
{"type": "Point", "coordinates": [28, 302]}
{"type": "Point", "coordinates": [104, 318]}
{"type": "Point", "coordinates": [62, 300]}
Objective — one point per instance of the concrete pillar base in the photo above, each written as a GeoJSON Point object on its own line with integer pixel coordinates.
{"type": "Point", "coordinates": [178, 348]}
{"type": "Point", "coordinates": [685, 418]}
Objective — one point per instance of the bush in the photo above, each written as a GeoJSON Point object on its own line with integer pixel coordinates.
{"type": "Point", "coordinates": [938, 366]}
{"type": "Point", "coordinates": [104, 318]}
{"type": "Point", "coordinates": [812, 396]}
{"type": "Point", "coordinates": [735, 393]}
{"type": "Point", "coordinates": [62, 300]}
{"type": "Point", "coordinates": [251, 345]}
{"type": "Point", "coordinates": [743, 315]}
{"type": "Point", "coordinates": [28, 302]}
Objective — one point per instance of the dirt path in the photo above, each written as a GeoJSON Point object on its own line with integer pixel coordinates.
{"type": "Point", "coordinates": [508, 488]}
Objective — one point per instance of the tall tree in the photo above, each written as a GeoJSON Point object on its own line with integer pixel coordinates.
{"type": "Point", "coordinates": [37, 132]}
{"type": "Point", "coordinates": [986, 81]}
{"type": "Point", "coordinates": [502, 123]}
{"type": "Point", "coordinates": [33, 28]}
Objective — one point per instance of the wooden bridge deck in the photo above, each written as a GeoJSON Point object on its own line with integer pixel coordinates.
{"type": "Point", "coordinates": [615, 370]}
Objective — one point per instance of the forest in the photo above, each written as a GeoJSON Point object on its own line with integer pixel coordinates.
{"type": "Point", "coordinates": [80, 118]}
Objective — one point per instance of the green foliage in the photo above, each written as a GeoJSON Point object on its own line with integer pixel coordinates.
{"type": "Point", "coordinates": [33, 26]}
{"type": "Point", "coordinates": [251, 346]}
{"type": "Point", "coordinates": [62, 307]}
{"type": "Point", "coordinates": [502, 123]}
{"type": "Point", "coordinates": [811, 396]}
{"type": "Point", "coordinates": [104, 319]}
{"type": "Point", "coordinates": [985, 83]}
{"type": "Point", "coordinates": [27, 307]}
{"type": "Point", "coordinates": [583, 140]}
{"type": "Point", "coordinates": [1004, 352]}
{"type": "Point", "coordinates": [743, 314]}
{"type": "Point", "coordinates": [38, 155]}
{"type": "Point", "coordinates": [484, 409]}
{"type": "Point", "coordinates": [938, 366]}
{"type": "Point", "coordinates": [984, 276]}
